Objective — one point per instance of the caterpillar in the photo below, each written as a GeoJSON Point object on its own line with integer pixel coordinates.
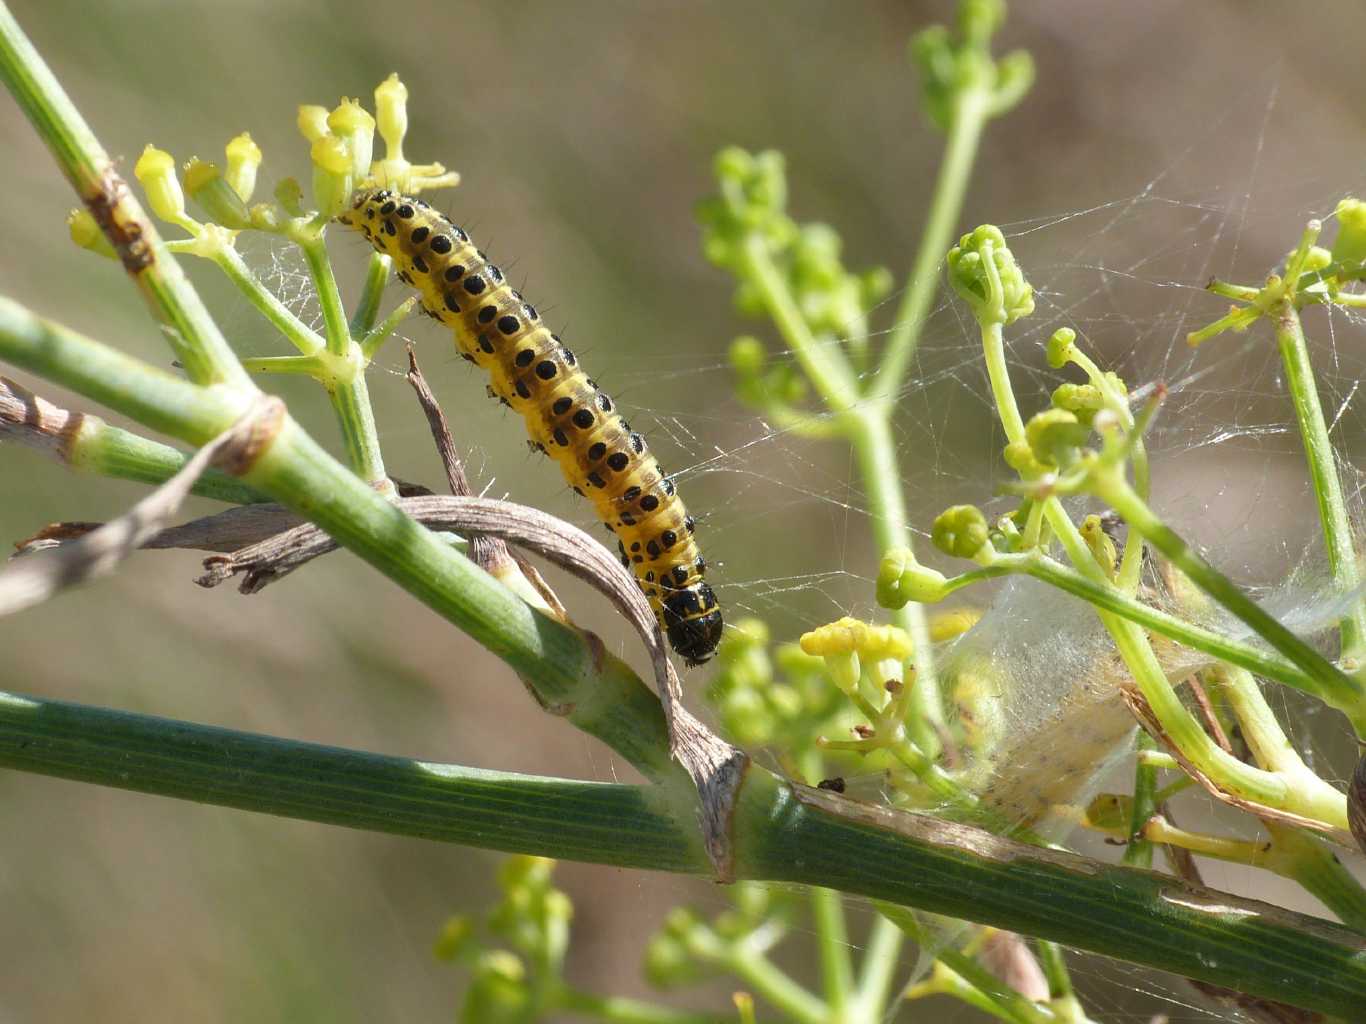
{"type": "Point", "coordinates": [567, 416]}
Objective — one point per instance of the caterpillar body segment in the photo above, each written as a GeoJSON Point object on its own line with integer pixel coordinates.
{"type": "Point", "coordinates": [567, 416]}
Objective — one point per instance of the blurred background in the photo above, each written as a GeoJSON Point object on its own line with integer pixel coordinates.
{"type": "Point", "coordinates": [1163, 143]}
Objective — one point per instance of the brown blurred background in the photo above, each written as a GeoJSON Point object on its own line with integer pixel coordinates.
{"type": "Point", "coordinates": [1163, 142]}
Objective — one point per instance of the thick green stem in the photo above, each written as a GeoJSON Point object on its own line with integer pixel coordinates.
{"type": "Point", "coordinates": [1323, 472]}
{"type": "Point", "coordinates": [198, 344]}
{"type": "Point", "coordinates": [782, 835]}
{"type": "Point", "coordinates": [965, 131]}
{"type": "Point", "coordinates": [1138, 852]}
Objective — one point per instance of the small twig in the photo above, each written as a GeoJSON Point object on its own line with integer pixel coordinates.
{"type": "Point", "coordinates": [98, 552]}
{"type": "Point", "coordinates": [1211, 720]}
{"type": "Point", "coordinates": [489, 553]}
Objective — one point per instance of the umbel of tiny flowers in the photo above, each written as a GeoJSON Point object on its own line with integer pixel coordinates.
{"type": "Point", "coordinates": [955, 64]}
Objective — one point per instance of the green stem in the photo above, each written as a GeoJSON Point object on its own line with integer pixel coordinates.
{"type": "Point", "coordinates": [781, 836]}
{"type": "Point", "coordinates": [372, 291]}
{"type": "Point", "coordinates": [620, 1010]}
{"type": "Point", "coordinates": [832, 940]}
{"type": "Point", "coordinates": [993, 348]}
{"type": "Point", "coordinates": [824, 364]}
{"type": "Point", "coordinates": [337, 331]}
{"type": "Point", "coordinates": [88, 444]}
{"type": "Point", "coordinates": [1054, 965]}
{"type": "Point", "coordinates": [1138, 852]}
{"type": "Point", "coordinates": [774, 985]}
{"type": "Point", "coordinates": [1310, 861]}
{"type": "Point", "coordinates": [370, 343]}
{"type": "Point", "coordinates": [299, 334]}
{"type": "Point", "coordinates": [1341, 691]}
{"type": "Point", "coordinates": [303, 366]}
{"type": "Point", "coordinates": [198, 344]}
{"type": "Point", "coordinates": [1323, 471]}
{"type": "Point", "coordinates": [881, 955]}
{"type": "Point", "coordinates": [1108, 598]}
{"type": "Point", "coordinates": [351, 402]}
{"type": "Point", "coordinates": [992, 995]}
{"type": "Point", "coordinates": [960, 151]}
{"type": "Point", "coordinates": [875, 449]}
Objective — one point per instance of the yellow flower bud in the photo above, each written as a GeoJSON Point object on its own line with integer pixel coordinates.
{"type": "Point", "coordinates": [244, 157]}
{"type": "Point", "coordinates": [312, 121]}
{"type": "Point", "coordinates": [156, 170]}
{"type": "Point", "coordinates": [86, 233]}
{"type": "Point", "coordinates": [391, 114]}
{"type": "Point", "coordinates": [353, 123]}
{"type": "Point", "coordinates": [851, 635]}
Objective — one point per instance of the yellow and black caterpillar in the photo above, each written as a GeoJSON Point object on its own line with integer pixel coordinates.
{"type": "Point", "coordinates": [566, 414]}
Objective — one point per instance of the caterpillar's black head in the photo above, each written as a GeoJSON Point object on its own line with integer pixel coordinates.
{"type": "Point", "coordinates": [692, 622]}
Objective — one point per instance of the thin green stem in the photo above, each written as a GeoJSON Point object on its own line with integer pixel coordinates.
{"type": "Point", "coordinates": [1054, 964]}
{"type": "Point", "coordinates": [198, 344]}
{"type": "Point", "coordinates": [832, 942]}
{"type": "Point", "coordinates": [965, 131]}
{"type": "Point", "coordinates": [370, 343]}
{"type": "Point", "coordinates": [875, 449]}
{"type": "Point", "coordinates": [993, 348]}
{"type": "Point", "coordinates": [1323, 472]}
{"type": "Point", "coordinates": [298, 333]}
{"type": "Point", "coordinates": [771, 983]}
{"type": "Point", "coordinates": [337, 331]}
{"type": "Point", "coordinates": [877, 969]}
{"type": "Point", "coordinates": [1103, 596]}
{"type": "Point", "coordinates": [372, 291]}
{"type": "Point", "coordinates": [993, 995]}
{"type": "Point", "coordinates": [1310, 861]}
{"type": "Point", "coordinates": [620, 1010]}
{"type": "Point", "coordinates": [1341, 691]}
{"type": "Point", "coordinates": [351, 401]}
{"type": "Point", "coordinates": [824, 364]}
{"type": "Point", "coordinates": [304, 366]}
{"type": "Point", "coordinates": [1138, 852]}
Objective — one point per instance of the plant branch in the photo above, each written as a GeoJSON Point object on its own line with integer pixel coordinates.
{"type": "Point", "coordinates": [198, 344]}
{"type": "Point", "coordinates": [784, 833]}
{"type": "Point", "coordinates": [1323, 472]}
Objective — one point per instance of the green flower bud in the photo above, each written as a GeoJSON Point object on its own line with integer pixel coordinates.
{"type": "Point", "coordinates": [733, 164]}
{"type": "Point", "coordinates": [1110, 812]}
{"type": "Point", "coordinates": [666, 962]}
{"type": "Point", "coordinates": [205, 185]}
{"type": "Point", "coordinates": [900, 578]}
{"type": "Point", "coordinates": [86, 233]}
{"type": "Point", "coordinates": [1060, 347]}
{"type": "Point", "coordinates": [747, 356]}
{"type": "Point", "coordinates": [457, 935]}
{"type": "Point", "coordinates": [978, 20]}
{"type": "Point", "coordinates": [1102, 547]}
{"type": "Point", "coordinates": [156, 170]}
{"type": "Point", "coordinates": [289, 194]}
{"type": "Point", "coordinates": [1054, 436]}
{"type": "Point", "coordinates": [1020, 457]}
{"type": "Point", "coordinates": [244, 158]}
{"type": "Point", "coordinates": [1082, 400]}
{"type": "Point", "coordinates": [960, 531]}
{"type": "Point", "coordinates": [498, 992]}
{"type": "Point", "coordinates": [1349, 248]}
{"type": "Point", "coordinates": [983, 271]}
{"type": "Point", "coordinates": [525, 871]}
{"type": "Point", "coordinates": [332, 180]}
{"type": "Point", "coordinates": [353, 123]}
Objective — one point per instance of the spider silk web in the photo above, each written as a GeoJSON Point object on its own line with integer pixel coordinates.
{"type": "Point", "coordinates": [784, 519]}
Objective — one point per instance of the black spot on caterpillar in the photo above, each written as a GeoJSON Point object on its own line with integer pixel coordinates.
{"type": "Point", "coordinates": [566, 414]}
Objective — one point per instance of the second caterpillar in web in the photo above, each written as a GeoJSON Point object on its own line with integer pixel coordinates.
{"type": "Point", "coordinates": [566, 415]}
